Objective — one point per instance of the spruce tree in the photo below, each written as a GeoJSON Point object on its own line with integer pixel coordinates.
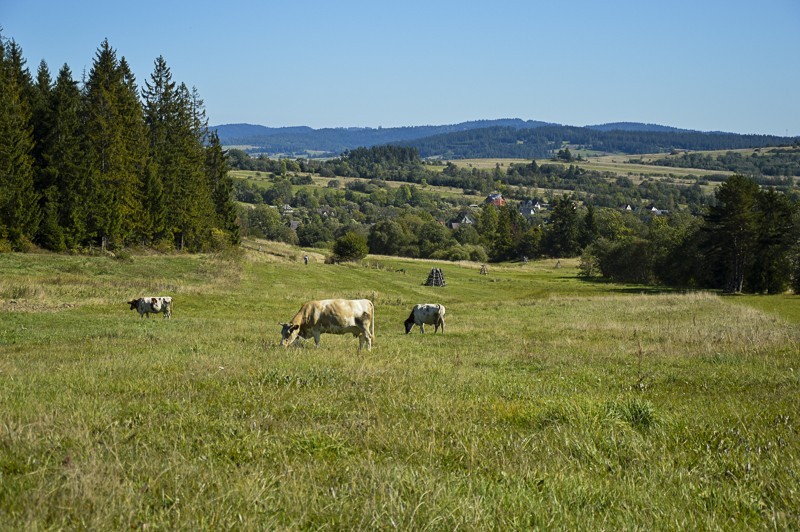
{"type": "Point", "coordinates": [190, 136]}
{"type": "Point", "coordinates": [134, 140]}
{"type": "Point", "coordinates": [222, 188]}
{"type": "Point", "coordinates": [19, 209]}
{"type": "Point", "coordinates": [62, 157]}
{"type": "Point", "coordinates": [732, 225]}
{"type": "Point", "coordinates": [177, 129]}
{"type": "Point", "coordinates": [114, 165]}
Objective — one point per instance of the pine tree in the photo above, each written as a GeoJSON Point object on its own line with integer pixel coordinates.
{"type": "Point", "coordinates": [62, 157]}
{"type": "Point", "coordinates": [176, 129]}
{"type": "Point", "coordinates": [19, 209]}
{"type": "Point", "coordinates": [222, 188]}
{"type": "Point", "coordinates": [134, 137]}
{"type": "Point", "coordinates": [561, 238]}
{"type": "Point", "coordinates": [732, 224]}
{"type": "Point", "coordinates": [115, 165]}
{"type": "Point", "coordinates": [41, 120]}
{"type": "Point", "coordinates": [51, 234]}
{"type": "Point", "coordinates": [160, 182]}
{"type": "Point", "coordinates": [197, 183]}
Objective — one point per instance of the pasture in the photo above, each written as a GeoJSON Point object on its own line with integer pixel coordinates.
{"type": "Point", "coordinates": [549, 402]}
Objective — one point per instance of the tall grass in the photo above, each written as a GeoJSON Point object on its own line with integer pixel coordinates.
{"type": "Point", "coordinates": [548, 403]}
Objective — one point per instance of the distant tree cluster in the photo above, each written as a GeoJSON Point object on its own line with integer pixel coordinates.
{"type": "Point", "coordinates": [100, 165]}
{"type": "Point", "coordinates": [776, 162]}
{"type": "Point", "coordinates": [749, 241]}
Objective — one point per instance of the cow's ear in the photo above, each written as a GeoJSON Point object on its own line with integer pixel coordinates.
{"type": "Point", "coordinates": [294, 327]}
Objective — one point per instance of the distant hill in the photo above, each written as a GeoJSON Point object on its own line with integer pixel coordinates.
{"type": "Point", "coordinates": [634, 126]}
{"type": "Point", "coordinates": [302, 140]}
{"type": "Point", "coordinates": [545, 141]}
{"type": "Point", "coordinates": [509, 137]}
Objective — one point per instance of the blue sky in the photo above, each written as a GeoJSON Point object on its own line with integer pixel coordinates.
{"type": "Point", "coordinates": [705, 64]}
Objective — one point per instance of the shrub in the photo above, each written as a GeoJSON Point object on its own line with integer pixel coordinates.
{"type": "Point", "coordinates": [350, 247]}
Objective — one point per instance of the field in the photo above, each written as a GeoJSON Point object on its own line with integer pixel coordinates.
{"type": "Point", "coordinates": [549, 402]}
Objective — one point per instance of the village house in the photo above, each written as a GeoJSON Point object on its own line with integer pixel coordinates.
{"type": "Point", "coordinates": [496, 199]}
{"type": "Point", "coordinates": [462, 219]}
{"type": "Point", "coordinates": [532, 207]}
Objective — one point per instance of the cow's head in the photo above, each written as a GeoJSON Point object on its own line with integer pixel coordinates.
{"type": "Point", "coordinates": [289, 333]}
{"type": "Point", "coordinates": [409, 323]}
{"type": "Point", "coordinates": [134, 303]}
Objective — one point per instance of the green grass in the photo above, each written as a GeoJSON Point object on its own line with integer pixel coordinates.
{"type": "Point", "coordinates": [548, 403]}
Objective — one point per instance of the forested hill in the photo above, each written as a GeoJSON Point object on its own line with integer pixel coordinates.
{"type": "Point", "coordinates": [488, 138]}
{"type": "Point", "coordinates": [333, 141]}
{"type": "Point", "coordinates": [545, 141]}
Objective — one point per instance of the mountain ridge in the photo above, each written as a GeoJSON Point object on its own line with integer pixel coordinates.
{"type": "Point", "coordinates": [482, 138]}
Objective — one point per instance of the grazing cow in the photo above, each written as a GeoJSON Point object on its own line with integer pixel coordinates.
{"type": "Point", "coordinates": [146, 305]}
{"type": "Point", "coordinates": [426, 314]}
{"type": "Point", "coordinates": [336, 316]}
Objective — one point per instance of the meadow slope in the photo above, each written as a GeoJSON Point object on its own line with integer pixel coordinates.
{"type": "Point", "coordinates": [549, 402]}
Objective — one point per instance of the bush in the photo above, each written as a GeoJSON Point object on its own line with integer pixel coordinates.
{"type": "Point", "coordinates": [220, 240]}
{"type": "Point", "coordinates": [350, 247]}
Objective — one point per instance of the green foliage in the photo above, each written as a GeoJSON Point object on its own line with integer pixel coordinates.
{"type": "Point", "coordinates": [350, 247]}
{"type": "Point", "coordinates": [19, 200]}
{"type": "Point", "coordinates": [562, 236]}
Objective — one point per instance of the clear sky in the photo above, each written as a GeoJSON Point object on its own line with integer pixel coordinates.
{"type": "Point", "coordinates": [726, 65]}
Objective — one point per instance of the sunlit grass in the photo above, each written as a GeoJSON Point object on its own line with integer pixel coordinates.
{"type": "Point", "coordinates": [549, 402]}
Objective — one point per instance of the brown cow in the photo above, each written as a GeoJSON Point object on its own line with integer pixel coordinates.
{"type": "Point", "coordinates": [335, 316]}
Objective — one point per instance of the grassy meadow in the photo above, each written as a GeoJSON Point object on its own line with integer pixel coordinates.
{"type": "Point", "coordinates": [549, 402]}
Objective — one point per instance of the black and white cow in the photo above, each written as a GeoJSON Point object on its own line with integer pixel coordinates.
{"type": "Point", "coordinates": [426, 314]}
{"type": "Point", "coordinates": [147, 305]}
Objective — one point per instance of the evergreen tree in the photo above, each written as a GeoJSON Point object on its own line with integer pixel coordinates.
{"type": "Point", "coordinates": [776, 235]}
{"type": "Point", "coordinates": [589, 230]}
{"type": "Point", "coordinates": [51, 235]}
{"type": "Point", "coordinates": [222, 188]}
{"type": "Point", "coordinates": [62, 159]}
{"type": "Point", "coordinates": [177, 129]}
{"type": "Point", "coordinates": [154, 222]}
{"type": "Point", "coordinates": [19, 209]}
{"type": "Point", "coordinates": [114, 164]}
{"type": "Point", "coordinates": [194, 185]}
{"type": "Point", "coordinates": [42, 122]}
{"type": "Point", "coordinates": [134, 146]}
{"type": "Point", "coordinates": [732, 224]}
{"type": "Point", "coordinates": [561, 238]}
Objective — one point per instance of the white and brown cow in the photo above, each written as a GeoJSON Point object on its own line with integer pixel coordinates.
{"type": "Point", "coordinates": [147, 305]}
{"type": "Point", "coordinates": [426, 314]}
{"type": "Point", "coordinates": [335, 316]}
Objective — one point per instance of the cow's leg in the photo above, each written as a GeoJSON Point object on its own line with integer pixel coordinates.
{"type": "Point", "coordinates": [316, 338]}
{"type": "Point", "coordinates": [365, 337]}
{"type": "Point", "coordinates": [422, 328]}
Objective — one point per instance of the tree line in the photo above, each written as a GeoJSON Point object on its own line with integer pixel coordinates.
{"type": "Point", "coordinates": [103, 164]}
{"type": "Point", "coordinates": [781, 163]}
{"type": "Point", "coordinates": [543, 142]}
